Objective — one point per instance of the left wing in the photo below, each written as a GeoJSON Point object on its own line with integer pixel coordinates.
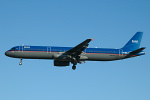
{"type": "Point", "coordinates": [73, 54]}
{"type": "Point", "coordinates": [77, 50]}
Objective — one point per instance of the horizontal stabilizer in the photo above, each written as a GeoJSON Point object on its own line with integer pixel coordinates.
{"type": "Point", "coordinates": [135, 52]}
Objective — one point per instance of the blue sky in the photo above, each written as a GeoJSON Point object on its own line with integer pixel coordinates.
{"type": "Point", "coordinates": [67, 23]}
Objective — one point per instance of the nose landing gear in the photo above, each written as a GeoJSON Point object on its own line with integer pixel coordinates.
{"type": "Point", "coordinates": [20, 62]}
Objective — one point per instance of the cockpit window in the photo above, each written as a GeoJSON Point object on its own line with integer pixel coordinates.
{"type": "Point", "coordinates": [12, 48]}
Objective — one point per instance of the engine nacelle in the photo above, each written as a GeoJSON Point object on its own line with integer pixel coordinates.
{"type": "Point", "coordinates": [61, 63]}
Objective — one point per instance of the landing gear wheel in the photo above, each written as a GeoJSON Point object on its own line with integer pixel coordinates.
{"type": "Point", "coordinates": [73, 67]}
{"type": "Point", "coordinates": [20, 62]}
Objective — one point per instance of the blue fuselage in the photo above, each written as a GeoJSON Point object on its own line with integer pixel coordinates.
{"type": "Point", "coordinates": [51, 52]}
{"type": "Point", "coordinates": [63, 56]}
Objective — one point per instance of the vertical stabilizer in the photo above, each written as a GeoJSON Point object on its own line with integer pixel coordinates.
{"type": "Point", "coordinates": [134, 42]}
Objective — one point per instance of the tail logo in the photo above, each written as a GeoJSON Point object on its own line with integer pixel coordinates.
{"type": "Point", "coordinates": [134, 41]}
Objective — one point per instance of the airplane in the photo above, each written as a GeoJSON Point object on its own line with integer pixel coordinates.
{"type": "Point", "coordinates": [63, 56]}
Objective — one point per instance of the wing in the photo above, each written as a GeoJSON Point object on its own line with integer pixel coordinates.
{"type": "Point", "coordinates": [77, 50]}
{"type": "Point", "coordinates": [74, 53]}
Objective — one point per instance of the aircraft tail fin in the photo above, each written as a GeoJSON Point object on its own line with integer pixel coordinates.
{"type": "Point", "coordinates": [134, 42]}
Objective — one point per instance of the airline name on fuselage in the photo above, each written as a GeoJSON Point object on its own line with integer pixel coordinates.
{"type": "Point", "coordinates": [26, 46]}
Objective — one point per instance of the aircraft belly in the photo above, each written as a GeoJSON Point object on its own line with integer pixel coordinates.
{"type": "Point", "coordinates": [104, 57]}
{"type": "Point", "coordinates": [31, 55]}
{"type": "Point", "coordinates": [50, 55]}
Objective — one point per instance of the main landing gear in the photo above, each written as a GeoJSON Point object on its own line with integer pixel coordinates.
{"type": "Point", "coordinates": [20, 62]}
{"type": "Point", "coordinates": [74, 62]}
{"type": "Point", "coordinates": [73, 67]}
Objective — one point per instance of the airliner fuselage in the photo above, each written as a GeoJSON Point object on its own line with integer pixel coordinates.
{"type": "Point", "coordinates": [64, 55]}
{"type": "Point", "coordinates": [49, 52]}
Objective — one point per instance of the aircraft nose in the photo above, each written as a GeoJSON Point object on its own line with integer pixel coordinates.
{"type": "Point", "coordinates": [6, 53]}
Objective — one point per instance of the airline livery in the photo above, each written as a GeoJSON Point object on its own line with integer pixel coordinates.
{"type": "Point", "coordinates": [63, 56]}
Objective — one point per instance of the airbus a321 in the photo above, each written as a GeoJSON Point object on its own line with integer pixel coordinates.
{"type": "Point", "coordinates": [63, 56]}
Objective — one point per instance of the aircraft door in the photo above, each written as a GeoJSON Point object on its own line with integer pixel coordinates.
{"type": "Point", "coordinates": [48, 49]}
{"type": "Point", "coordinates": [120, 52]}
{"type": "Point", "coordinates": [21, 48]}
